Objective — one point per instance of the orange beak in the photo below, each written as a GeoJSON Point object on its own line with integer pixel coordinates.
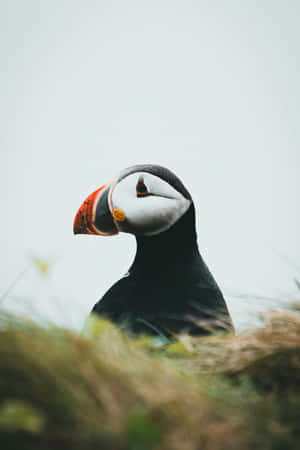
{"type": "Point", "coordinates": [94, 216]}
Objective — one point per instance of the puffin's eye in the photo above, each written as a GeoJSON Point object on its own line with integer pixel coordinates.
{"type": "Point", "coordinates": [141, 188]}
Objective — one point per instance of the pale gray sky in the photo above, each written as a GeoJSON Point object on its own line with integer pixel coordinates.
{"type": "Point", "coordinates": [209, 89]}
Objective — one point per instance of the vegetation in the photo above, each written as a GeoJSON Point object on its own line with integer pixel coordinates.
{"type": "Point", "coordinates": [106, 390]}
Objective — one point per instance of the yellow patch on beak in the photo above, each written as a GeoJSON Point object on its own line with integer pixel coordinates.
{"type": "Point", "coordinates": [118, 215]}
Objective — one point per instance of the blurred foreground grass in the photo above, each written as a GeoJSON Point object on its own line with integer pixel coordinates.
{"type": "Point", "coordinates": [105, 390]}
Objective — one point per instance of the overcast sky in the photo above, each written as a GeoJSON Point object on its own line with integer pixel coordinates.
{"type": "Point", "coordinates": [209, 89]}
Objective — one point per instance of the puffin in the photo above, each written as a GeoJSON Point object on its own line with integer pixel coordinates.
{"type": "Point", "coordinates": [168, 289]}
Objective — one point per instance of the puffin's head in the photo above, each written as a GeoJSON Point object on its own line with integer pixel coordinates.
{"type": "Point", "coordinates": [144, 200]}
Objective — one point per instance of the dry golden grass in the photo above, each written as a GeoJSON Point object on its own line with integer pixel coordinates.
{"type": "Point", "coordinates": [106, 390]}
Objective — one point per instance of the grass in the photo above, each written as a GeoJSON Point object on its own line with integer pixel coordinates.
{"type": "Point", "coordinates": [106, 390]}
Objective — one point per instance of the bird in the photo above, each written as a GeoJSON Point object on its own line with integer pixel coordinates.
{"type": "Point", "coordinates": [168, 289]}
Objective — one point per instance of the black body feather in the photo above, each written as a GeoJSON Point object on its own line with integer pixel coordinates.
{"type": "Point", "coordinates": [169, 288]}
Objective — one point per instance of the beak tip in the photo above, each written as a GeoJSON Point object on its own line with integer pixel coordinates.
{"type": "Point", "coordinates": [77, 229]}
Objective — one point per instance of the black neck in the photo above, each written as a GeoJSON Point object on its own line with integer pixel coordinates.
{"type": "Point", "coordinates": [176, 246]}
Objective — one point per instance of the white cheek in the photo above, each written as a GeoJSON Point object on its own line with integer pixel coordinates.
{"type": "Point", "coordinates": [159, 213]}
{"type": "Point", "coordinates": [149, 215]}
{"type": "Point", "coordinates": [150, 210]}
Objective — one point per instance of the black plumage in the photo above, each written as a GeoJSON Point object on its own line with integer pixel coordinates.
{"type": "Point", "coordinates": [168, 288]}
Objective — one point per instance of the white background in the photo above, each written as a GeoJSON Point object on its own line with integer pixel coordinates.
{"type": "Point", "coordinates": [210, 89]}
